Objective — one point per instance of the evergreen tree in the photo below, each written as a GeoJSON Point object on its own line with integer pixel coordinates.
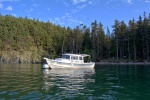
{"type": "Point", "coordinates": [94, 26]}
{"type": "Point", "coordinates": [116, 32]}
{"type": "Point", "coordinates": [108, 43]}
{"type": "Point", "coordinates": [100, 42]}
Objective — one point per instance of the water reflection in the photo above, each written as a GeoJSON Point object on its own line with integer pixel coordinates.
{"type": "Point", "coordinates": [68, 83]}
{"type": "Point", "coordinates": [105, 82]}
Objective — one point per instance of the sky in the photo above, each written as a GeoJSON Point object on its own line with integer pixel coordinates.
{"type": "Point", "coordinates": [72, 13]}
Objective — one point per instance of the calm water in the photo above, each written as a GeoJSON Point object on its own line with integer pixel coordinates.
{"type": "Point", "coordinates": [109, 82]}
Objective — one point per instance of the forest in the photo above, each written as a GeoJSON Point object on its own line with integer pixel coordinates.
{"type": "Point", "coordinates": [21, 37]}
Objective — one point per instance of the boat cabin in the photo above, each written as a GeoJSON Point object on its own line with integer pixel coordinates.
{"type": "Point", "coordinates": [79, 58]}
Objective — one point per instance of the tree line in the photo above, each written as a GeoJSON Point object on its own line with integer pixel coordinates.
{"type": "Point", "coordinates": [129, 42]}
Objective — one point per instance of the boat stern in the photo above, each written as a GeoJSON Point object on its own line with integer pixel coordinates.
{"type": "Point", "coordinates": [45, 64]}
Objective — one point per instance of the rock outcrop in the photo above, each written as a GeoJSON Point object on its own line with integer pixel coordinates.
{"type": "Point", "coordinates": [19, 57]}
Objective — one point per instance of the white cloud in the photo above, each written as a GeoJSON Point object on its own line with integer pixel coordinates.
{"type": "Point", "coordinates": [90, 2]}
{"type": "Point", "coordinates": [65, 2]}
{"type": "Point", "coordinates": [123, 1]}
{"type": "Point", "coordinates": [78, 5]}
{"type": "Point", "coordinates": [49, 9]}
{"type": "Point", "coordinates": [78, 1]}
{"type": "Point", "coordinates": [74, 11]}
{"type": "Point", "coordinates": [15, 15]}
{"type": "Point", "coordinates": [107, 2]}
{"type": "Point", "coordinates": [83, 1]}
{"type": "Point", "coordinates": [129, 1]}
{"type": "Point", "coordinates": [30, 10]}
{"type": "Point", "coordinates": [82, 6]}
{"type": "Point", "coordinates": [67, 19]}
{"type": "Point", "coordinates": [35, 5]}
{"type": "Point", "coordinates": [9, 8]}
{"type": "Point", "coordinates": [66, 16]}
{"type": "Point", "coordinates": [57, 19]}
{"type": "Point", "coordinates": [1, 6]}
{"type": "Point", "coordinates": [147, 1]}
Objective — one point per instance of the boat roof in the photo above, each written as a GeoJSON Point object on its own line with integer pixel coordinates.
{"type": "Point", "coordinates": [83, 55]}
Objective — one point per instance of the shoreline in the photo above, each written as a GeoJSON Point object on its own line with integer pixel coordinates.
{"type": "Point", "coordinates": [97, 63]}
{"type": "Point", "coordinates": [122, 63]}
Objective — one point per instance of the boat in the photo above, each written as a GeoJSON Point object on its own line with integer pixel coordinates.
{"type": "Point", "coordinates": [45, 66]}
{"type": "Point", "coordinates": [69, 60]}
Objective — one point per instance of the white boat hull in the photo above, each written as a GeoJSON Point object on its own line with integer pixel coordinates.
{"type": "Point", "coordinates": [58, 64]}
{"type": "Point", "coordinates": [45, 66]}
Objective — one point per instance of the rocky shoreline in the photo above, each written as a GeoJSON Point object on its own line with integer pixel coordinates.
{"type": "Point", "coordinates": [19, 57]}
{"type": "Point", "coordinates": [36, 57]}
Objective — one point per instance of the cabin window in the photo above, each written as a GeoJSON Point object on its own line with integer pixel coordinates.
{"type": "Point", "coordinates": [80, 58]}
{"type": "Point", "coordinates": [74, 57]}
{"type": "Point", "coordinates": [63, 56]}
{"type": "Point", "coordinates": [67, 57]}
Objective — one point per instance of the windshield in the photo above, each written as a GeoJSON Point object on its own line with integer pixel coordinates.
{"type": "Point", "coordinates": [87, 59]}
{"type": "Point", "coordinates": [65, 56]}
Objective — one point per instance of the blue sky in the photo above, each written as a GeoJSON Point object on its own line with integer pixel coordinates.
{"type": "Point", "coordinates": [75, 12]}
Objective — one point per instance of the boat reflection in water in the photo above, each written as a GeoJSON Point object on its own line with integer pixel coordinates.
{"type": "Point", "coordinates": [68, 83]}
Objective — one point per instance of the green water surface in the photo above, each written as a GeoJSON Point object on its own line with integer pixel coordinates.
{"type": "Point", "coordinates": [105, 82]}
